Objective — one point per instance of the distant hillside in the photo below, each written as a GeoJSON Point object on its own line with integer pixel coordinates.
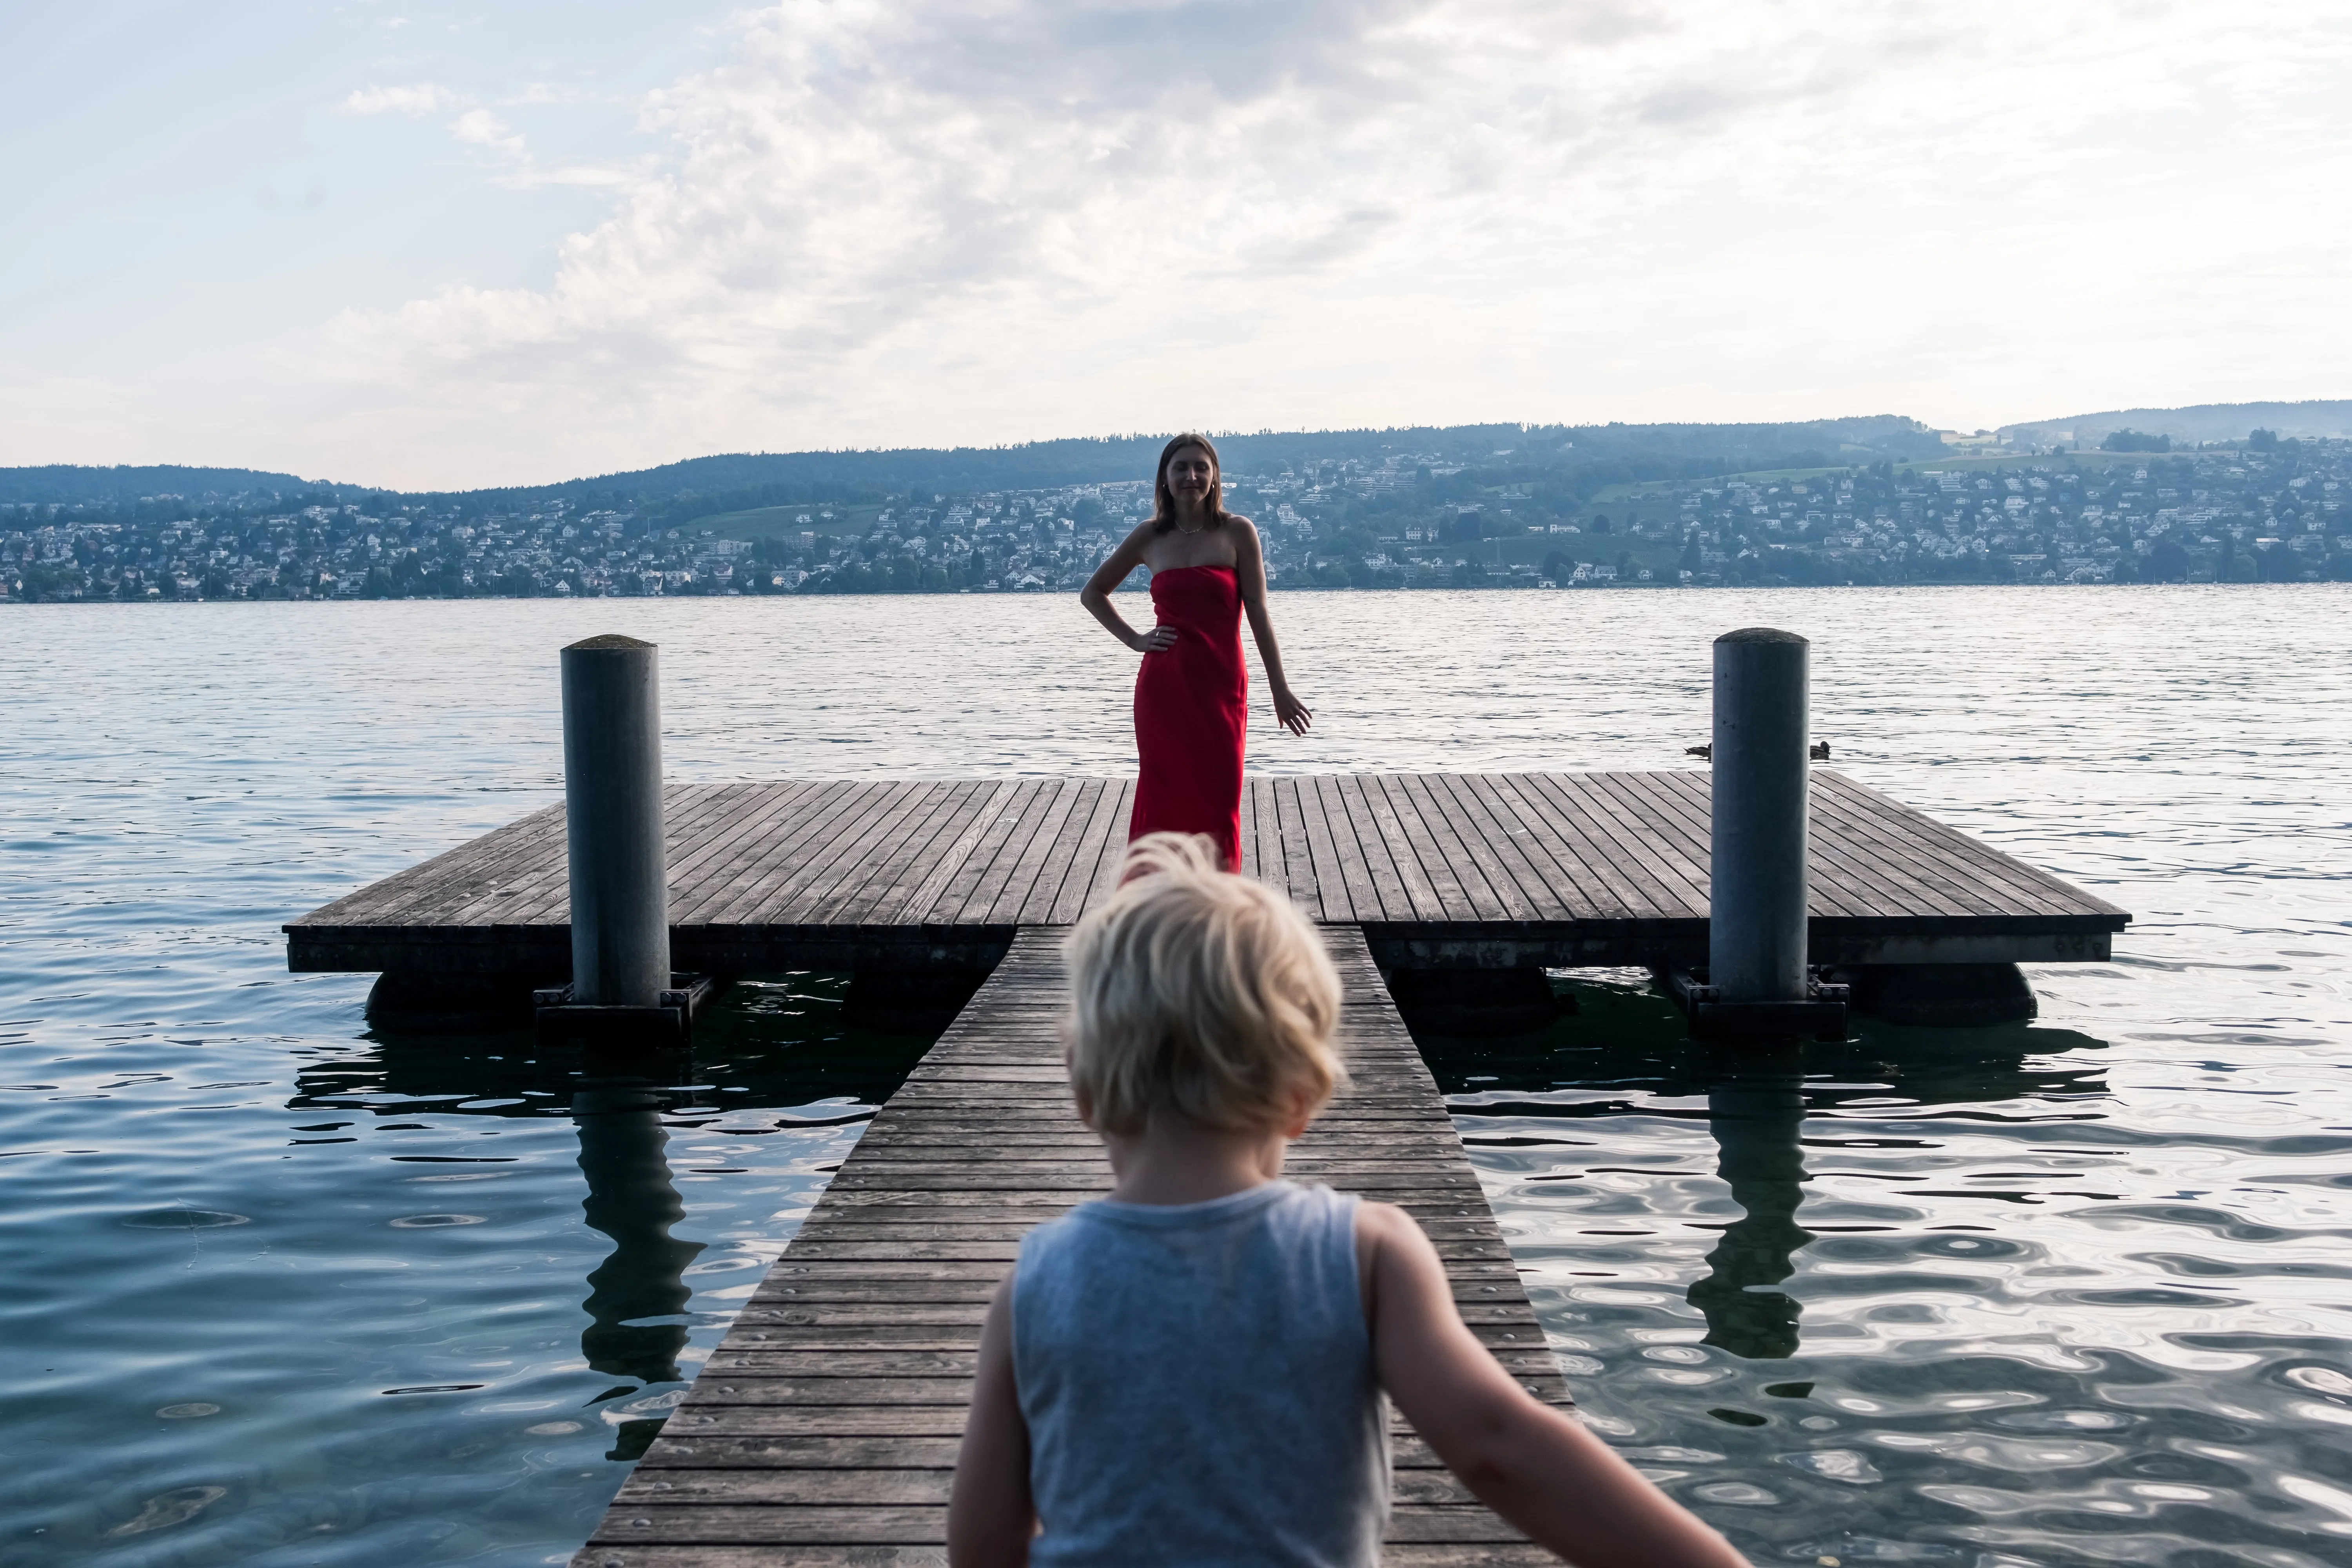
{"type": "Point", "coordinates": [2202, 422]}
{"type": "Point", "coordinates": [67, 484]}
{"type": "Point", "coordinates": [1581, 455]}
{"type": "Point", "coordinates": [1041, 465]}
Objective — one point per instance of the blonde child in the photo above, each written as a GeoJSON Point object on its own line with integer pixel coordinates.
{"type": "Point", "coordinates": [1191, 1370]}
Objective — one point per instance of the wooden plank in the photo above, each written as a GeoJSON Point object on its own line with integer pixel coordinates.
{"type": "Point", "coordinates": [421, 886]}
{"type": "Point", "coordinates": [743, 835]}
{"type": "Point", "coordinates": [905, 805]}
{"type": "Point", "coordinates": [1505, 841]}
{"type": "Point", "coordinates": [834, 861]}
{"type": "Point", "coordinates": [1551, 847]}
{"type": "Point", "coordinates": [835, 813]}
{"type": "Point", "coordinates": [769, 830]}
{"type": "Point", "coordinates": [1063, 796]}
{"type": "Point", "coordinates": [510, 889]}
{"type": "Point", "coordinates": [986, 892]}
{"type": "Point", "coordinates": [1874, 817]}
{"type": "Point", "coordinates": [1869, 880]}
{"type": "Point", "coordinates": [1438, 868]}
{"type": "Point", "coordinates": [1657, 892]}
{"type": "Point", "coordinates": [829, 1417]}
{"type": "Point", "coordinates": [1842, 884]}
{"type": "Point", "coordinates": [1405, 890]}
{"type": "Point", "coordinates": [984, 814]}
{"type": "Point", "coordinates": [1334, 900]}
{"type": "Point", "coordinates": [946, 904]}
{"type": "Point", "coordinates": [803, 828]}
{"type": "Point", "coordinates": [1250, 865]}
{"type": "Point", "coordinates": [1114, 847]}
{"type": "Point", "coordinates": [1298, 861]}
{"type": "Point", "coordinates": [1577, 840]}
{"type": "Point", "coordinates": [1849, 879]}
{"type": "Point", "coordinates": [1684, 875]}
{"type": "Point", "coordinates": [1374, 889]}
{"type": "Point", "coordinates": [1068, 871]}
{"type": "Point", "coordinates": [887, 878]}
{"type": "Point", "coordinates": [1490, 888]}
{"type": "Point", "coordinates": [1683, 856]}
{"type": "Point", "coordinates": [1258, 808]}
{"type": "Point", "coordinates": [877, 865]}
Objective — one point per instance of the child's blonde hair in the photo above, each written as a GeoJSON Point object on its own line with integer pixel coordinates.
{"type": "Point", "coordinates": [1198, 992]}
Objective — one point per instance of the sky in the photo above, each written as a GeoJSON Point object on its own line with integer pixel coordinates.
{"type": "Point", "coordinates": [427, 245]}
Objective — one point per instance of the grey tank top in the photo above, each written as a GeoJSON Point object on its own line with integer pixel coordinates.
{"type": "Point", "coordinates": [1198, 1383]}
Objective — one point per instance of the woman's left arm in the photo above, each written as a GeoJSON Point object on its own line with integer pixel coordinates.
{"type": "Point", "coordinates": [1249, 566]}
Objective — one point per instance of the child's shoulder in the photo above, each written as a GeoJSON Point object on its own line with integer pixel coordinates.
{"type": "Point", "coordinates": [1383, 1220]}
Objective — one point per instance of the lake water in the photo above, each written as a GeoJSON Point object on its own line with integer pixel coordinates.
{"type": "Point", "coordinates": [277, 1291]}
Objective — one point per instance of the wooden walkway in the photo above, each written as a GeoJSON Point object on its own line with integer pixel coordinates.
{"type": "Point", "coordinates": [1479, 868]}
{"type": "Point", "coordinates": [824, 1430]}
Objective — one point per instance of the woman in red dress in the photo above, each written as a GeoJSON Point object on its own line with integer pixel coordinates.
{"type": "Point", "coordinates": [1191, 696]}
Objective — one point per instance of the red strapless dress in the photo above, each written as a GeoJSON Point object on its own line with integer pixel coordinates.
{"type": "Point", "coordinates": [1192, 713]}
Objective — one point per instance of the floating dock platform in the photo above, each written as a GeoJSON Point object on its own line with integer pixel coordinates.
{"type": "Point", "coordinates": [1440, 870]}
{"type": "Point", "coordinates": [823, 1429]}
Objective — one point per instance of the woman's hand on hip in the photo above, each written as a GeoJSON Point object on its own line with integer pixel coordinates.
{"type": "Point", "coordinates": [1290, 712]}
{"type": "Point", "coordinates": [1159, 639]}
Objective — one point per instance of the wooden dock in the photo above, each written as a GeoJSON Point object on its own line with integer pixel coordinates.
{"type": "Point", "coordinates": [1439, 870]}
{"type": "Point", "coordinates": [824, 1430]}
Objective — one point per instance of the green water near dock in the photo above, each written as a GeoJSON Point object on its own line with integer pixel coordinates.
{"type": "Point", "coordinates": [278, 1289]}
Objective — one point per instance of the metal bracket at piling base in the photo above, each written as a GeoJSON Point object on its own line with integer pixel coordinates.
{"type": "Point", "coordinates": [1821, 1016]}
{"type": "Point", "coordinates": [669, 1022]}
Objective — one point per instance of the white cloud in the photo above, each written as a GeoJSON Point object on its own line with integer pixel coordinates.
{"type": "Point", "coordinates": [421, 99]}
{"type": "Point", "coordinates": [491, 135]}
{"type": "Point", "coordinates": [938, 222]}
{"type": "Point", "coordinates": [481, 127]}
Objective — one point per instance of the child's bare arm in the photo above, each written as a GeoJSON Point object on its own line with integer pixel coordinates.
{"type": "Point", "coordinates": [991, 1515]}
{"type": "Point", "coordinates": [1537, 1468]}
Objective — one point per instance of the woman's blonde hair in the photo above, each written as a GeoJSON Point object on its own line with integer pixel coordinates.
{"type": "Point", "coordinates": [1198, 992]}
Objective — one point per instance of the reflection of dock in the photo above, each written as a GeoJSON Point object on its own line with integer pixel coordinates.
{"type": "Point", "coordinates": [1487, 870]}
{"type": "Point", "coordinates": [825, 1429]}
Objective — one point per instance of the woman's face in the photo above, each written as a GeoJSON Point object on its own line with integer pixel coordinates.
{"type": "Point", "coordinates": [1190, 472]}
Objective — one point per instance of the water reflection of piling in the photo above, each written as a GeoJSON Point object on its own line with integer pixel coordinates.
{"type": "Point", "coordinates": [631, 1199]}
{"type": "Point", "coordinates": [1756, 1118]}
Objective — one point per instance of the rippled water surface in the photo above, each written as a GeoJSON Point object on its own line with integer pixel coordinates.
{"type": "Point", "coordinates": [278, 1290]}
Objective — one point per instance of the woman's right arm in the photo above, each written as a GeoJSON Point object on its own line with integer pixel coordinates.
{"type": "Point", "coordinates": [1095, 597]}
{"type": "Point", "coordinates": [1538, 1468]}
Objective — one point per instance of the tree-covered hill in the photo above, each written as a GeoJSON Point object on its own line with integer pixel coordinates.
{"type": "Point", "coordinates": [2315, 419]}
{"type": "Point", "coordinates": [1043, 465]}
{"type": "Point", "coordinates": [67, 484]}
{"type": "Point", "coordinates": [1586, 456]}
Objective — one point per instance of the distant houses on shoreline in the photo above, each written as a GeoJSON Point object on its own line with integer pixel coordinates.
{"type": "Point", "coordinates": [2266, 511]}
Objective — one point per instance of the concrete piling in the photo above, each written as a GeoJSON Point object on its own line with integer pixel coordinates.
{"type": "Point", "coordinates": [1756, 924]}
{"type": "Point", "coordinates": [613, 800]}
